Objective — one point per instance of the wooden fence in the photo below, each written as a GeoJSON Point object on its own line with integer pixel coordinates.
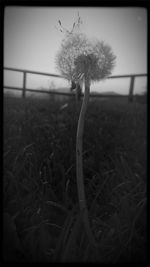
{"type": "Point", "coordinates": [24, 89]}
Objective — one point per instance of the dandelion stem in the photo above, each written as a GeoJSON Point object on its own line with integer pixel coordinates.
{"type": "Point", "coordinates": [79, 165]}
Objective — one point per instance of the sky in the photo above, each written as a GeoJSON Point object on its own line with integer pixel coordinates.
{"type": "Point", "coordinates": [32, 39]}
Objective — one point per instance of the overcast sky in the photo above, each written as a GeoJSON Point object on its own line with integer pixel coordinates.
{"type": "Point", "coordinates": [31, 41]}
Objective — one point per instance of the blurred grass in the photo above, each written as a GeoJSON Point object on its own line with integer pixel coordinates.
{"type": "Point", "coordinates": [39, 181]}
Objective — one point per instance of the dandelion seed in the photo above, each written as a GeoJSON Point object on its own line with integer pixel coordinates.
{"type": "Point", "coordinates": [39, 210]}
{"type": "Point", "coordinates": [64, 106]}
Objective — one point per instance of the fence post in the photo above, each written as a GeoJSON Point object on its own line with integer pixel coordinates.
{"type": "Point", "coordinates": [130, 98]}
{"type": "Point", "coordinates": [24, 84]}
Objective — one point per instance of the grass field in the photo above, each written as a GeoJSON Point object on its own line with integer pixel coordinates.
{"type": "Point", "coordinates": [40, 206]}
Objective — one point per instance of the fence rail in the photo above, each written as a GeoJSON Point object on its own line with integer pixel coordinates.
{"type": "Point", "coordinates": [24, 89]}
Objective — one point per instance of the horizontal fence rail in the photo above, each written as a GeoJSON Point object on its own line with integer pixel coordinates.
{"type": "Point", "coordinates": [34, 72]}
{"type": "Point", "coordinates": [24, 89]}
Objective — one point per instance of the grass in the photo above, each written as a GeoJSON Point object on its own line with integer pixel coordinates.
{"type": "Point", "coordinates": [40, 203]}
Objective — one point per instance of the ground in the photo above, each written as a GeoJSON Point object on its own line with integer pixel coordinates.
{"type": "Point", "coordinates": [39, 183]}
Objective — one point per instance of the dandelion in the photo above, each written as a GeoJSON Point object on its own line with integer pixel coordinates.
{"type": "Point", "coordinates": [80, 59]}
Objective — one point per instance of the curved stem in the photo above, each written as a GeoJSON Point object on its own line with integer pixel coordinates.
{"type": "Point", "coordinates": [79, 165]}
